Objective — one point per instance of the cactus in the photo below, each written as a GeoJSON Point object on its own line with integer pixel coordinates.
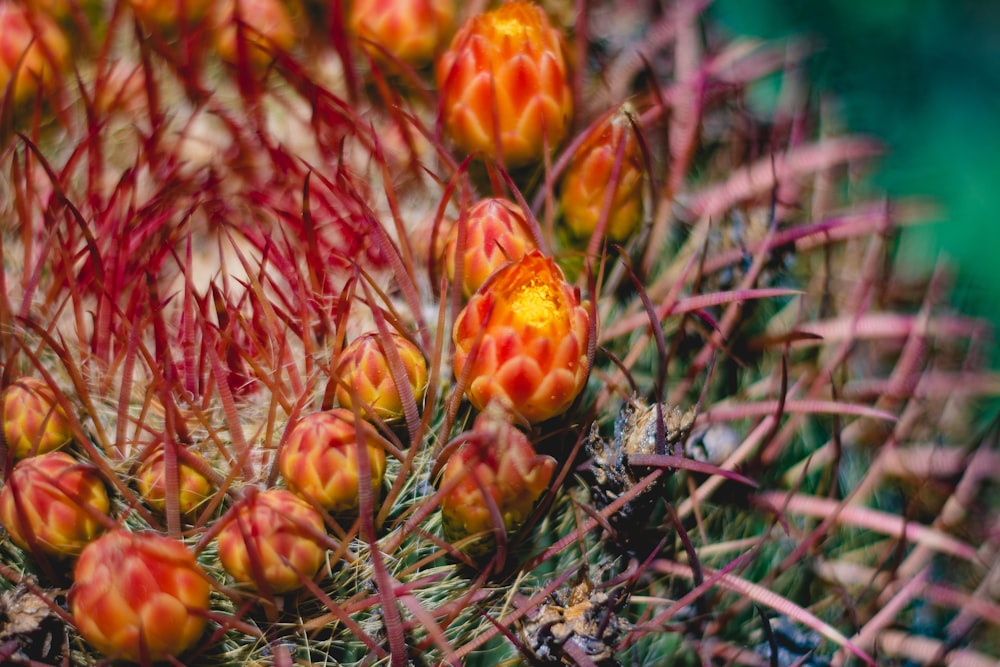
{"type": "Point", "coordinates": [550, 345]}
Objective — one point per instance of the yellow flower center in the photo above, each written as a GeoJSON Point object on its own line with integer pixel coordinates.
{"type": "Point", "coordinates": [535, 303]}
{"type": "Point", "coordinates": [509, 26]}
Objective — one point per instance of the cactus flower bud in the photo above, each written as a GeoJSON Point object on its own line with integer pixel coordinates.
{"type": "Point", "coordinates": [498, 458]}
{"type": "Point", "coordinates": [139, 596]}
{"type": "Point", "coordinates": [504, 85]}
{"type": "Point", "coordinates": [271, 540]}
{"type": "Point", "coordinates": [33, 422]}
{"type": "Point", "coordinates": [319, 460]}
{"type": "Point", "coordinates": [36, 38]}
{"type": "Point", "coordinates": [53, 502]}
{"type": "Point", "coordinates": [364, 366]}
{"type": "Point", "coordinates": [410, 30]}
{"type": "Point", "coordinates": [267, 28]}
{"type": "Point", "coordinates": [496, 232]}
{"type": "Point", "coordinates": [525, 336]}
{"type": "Point", "coordinates": [169, 15]}
{"type": "Point", "coordinates": [193, 488]}
{"type": "Point", "coordinates": [589, 176]}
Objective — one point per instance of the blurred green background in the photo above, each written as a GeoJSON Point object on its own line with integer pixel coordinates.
{"type": "Point", "coordinates": [924, 77]}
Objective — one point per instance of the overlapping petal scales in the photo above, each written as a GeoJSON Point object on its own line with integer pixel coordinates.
{"type": "Point", "coordinates": [495, 232]}
{"type": "Point", "coordinates": [193, 488]}
{"type": "Point", "coordinates": [33, 422]}
{"type": "Point", "coordinates": [54, 503]}
{"type": "Point", "coordinates": [499, 459]}
{"type": "Point", "coordinates": [271, 541]}
{"type": "Point", "coordinates": [364, 367]}
{"type": "Point", "coordinates": [591, 174]}
{"type": "Point", "coordinates": [524, 337]}
{"type": "Point", "coordinates": [139, 596]}
{"type": "Point", "coordinates": [319, 460]}
{"type": "Point", "coordinates": [504, 85]}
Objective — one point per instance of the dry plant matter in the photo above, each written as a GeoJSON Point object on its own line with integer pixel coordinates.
{"type": "Point", "coordinates": [756, 437]}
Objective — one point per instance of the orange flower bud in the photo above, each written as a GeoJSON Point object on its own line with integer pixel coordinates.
{"type": "Point", "coordinates": [33, 422]}
{"type": "Point", "coordinates": [139, 596]}
{"type": "Point", "coordinates": [498, 458]}
{"type": "Point", "coordinates": [193, 488]}
{"type": "Point", "coordinates": [53, 502]}
{"type": "Point", "coordinates": [504, 85]}
{"type": "Point", "coordinates": [42, 44]}
{"type": "Point", "coordinates": [411, 30]}
{"type": "Point", "coordinates": [495, 232]}
{"type": "Point", "coordinates": [168, 15]}
{"type": "Point", "coordinates": [364, 366]}
{"type": "Point", "coordinates": [266, 24]}
{"type": "Point", "coordinates": [532, 334]}
{"type": "Point", "coordinates": [271, 540]}
{"type": "Point", "coordinates": [589, 176]}
{"type": "Point", "coordinates": [319, 460]}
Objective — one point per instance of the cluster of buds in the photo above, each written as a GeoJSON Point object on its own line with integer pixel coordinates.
{"type": "Point", "coordinates": [364, 371]}
{"type": "Point", "coordinates": [139, 596]}
{"type": "Point", "coordinates": [33, 421]}
{"type": "Point", "coordinates": [193, 488]}
{"type": "Point", "coordinates": [494, 473]}
{"type": "Point", "coordinates": [320, 459]}
{"type": "Point", "coordinates": [411, 31]}
{"type": "Point", "coordinates": [54, 504]}
{"type": "Point", "coordinates": [522, 340]}
{"type": "Point", "coordinates": [604, 180]}
{"type": "Point", "coordinates": [504, 85]}
{"type": "Point", "coordinates": [495, 232]}
{"type": "Point", "coordinates": [272, 541]}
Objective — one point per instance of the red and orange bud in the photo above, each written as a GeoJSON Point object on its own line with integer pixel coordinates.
{"type": "Point", "coordinates": [54, 503]}
{"type": "Point", "coordinates": [522, 340]}
{"type": "Point", "coordinates": [591, 174]}
{"type": "Point", "coordinates": [412, 31]}
{"type": "Point", "coordinates": [169, 15]}
{"type": "Point", "coordinates": [139, 596]}
{"type": "Point", "coordinates": [193, 488]}
{"type": "Point", "coordinates": [364, 367]}
{"type": "Point", "coordinates": [495, 233]}
{"type": "Point", "coordinates": [504, 85]}
{"type": "Point", "coordinates": [266, 27]}
{"type": "Point", "coordinates": [497, 458]}
{"type": "Point", "coordinates": [33, 422]}
{"type": "Point", "coordinates": [33, 50]}
{"type": "Point", "coordinates": [272, 540]}
{"type": "Point", "coordinates": [319, 460]}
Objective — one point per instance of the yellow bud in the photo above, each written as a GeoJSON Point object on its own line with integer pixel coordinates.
{"type": "Point", "coordinates": [139, 596]}
{"type": "Point", "coordinates": [319, 459]}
